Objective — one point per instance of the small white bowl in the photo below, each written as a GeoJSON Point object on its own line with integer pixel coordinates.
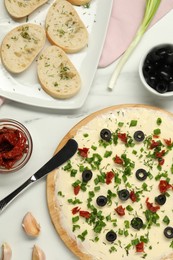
{"type": "Point", "coordinates": [16, 142]}
{"type": "Point", "coordinates": [143, 80]}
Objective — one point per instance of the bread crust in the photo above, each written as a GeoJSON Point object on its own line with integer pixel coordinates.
{"type": "Point", "coordinates": [64, 27]}
{"type": "Point", "coordinates": [79, 2]}
{"type": "Point", "coordinates": [56, 73]}
{"type": "Point", "coordinates": [21, 46]}
{"type": "Point", "coordinates": [19, 8]}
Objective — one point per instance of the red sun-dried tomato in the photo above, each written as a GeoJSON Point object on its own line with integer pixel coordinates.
{"type": "Point", "coordinates": [133, 196]}
{"type": "Point", "coordinates": [13, 145]}
{"type": "Point", "coordinates": [120, 210]}
{"type": "Point", "coordinates": [140, 247]}
{"type": "Point", "coordinates": [76, 189]}
{"type": "Point", "coordinates": [109, 176]}
{"type": "Point", "coordinates": [168, 142]}
{"type": "Point", "coordinates": [118, 160]}
{"type": "Point", "coordinates": [164, 186]}
{"type": "Point", "coordinates": [151, 207]}
{"type": "Point", "coordinates": [161, 161]}
{"type": "Point", "coordinates": [160, 154]}
{"type": "Point", "coordinates": [122, 137]}
{"type": "Point", "coordinates": [154, 144]}
{"type": "Point", "coordinates": [83, 152]}
{"type": "Point", "coordinates": [84, 214]}
{"type": "Point", "coordinates": [75, 210]}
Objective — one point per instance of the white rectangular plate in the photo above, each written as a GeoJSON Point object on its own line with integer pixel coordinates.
{"type": "Point", "coordinates": [25, 88]}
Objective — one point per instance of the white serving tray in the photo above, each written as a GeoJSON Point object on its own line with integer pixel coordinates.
{"type": "Point", "coordinates": [25, 88]}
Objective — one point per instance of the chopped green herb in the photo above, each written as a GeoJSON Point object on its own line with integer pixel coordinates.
{"type": "Point", "coordinates": [75, 219]}
{"type": "Point", "coordinates": [133, 123]}
{"type": "Point", "coordinates": [157, 131]}
{"type": "Point", "coordinates": [159, 121]}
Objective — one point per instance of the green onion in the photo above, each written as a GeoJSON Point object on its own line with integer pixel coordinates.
{"type": "Point", "coordinates": [150, 10]}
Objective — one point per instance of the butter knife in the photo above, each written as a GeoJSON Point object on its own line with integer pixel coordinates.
{"type": "Point", "coordinates": [58, 159]}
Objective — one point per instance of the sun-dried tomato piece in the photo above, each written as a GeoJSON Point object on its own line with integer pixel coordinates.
{"type": "Point", "coordinates": [75, 210]}
{"type": "Point", "coordinates": [84, 214]}
{"type": "Point", "coordinates": [140, 247]}
{"type": "Point", "coordinates": [168, 142]}
{"type": "Point", "coordinates": [120, 210]}
{"type": "Point", "coordinates": [151, 207]}
{"type": "Point", "coordinates": [161, 161]}
{"type": "Point", "coordinates": [164, 186]}
{"type": "Point", "coordinates": [109, 176]}
{"type": "Point", "coordinates": [160, 154]}
{"type": "Point", "coordinates": [13, 145]}
{"type": "Point", "coordinates": [83, 152]}
{"type": "Point", "coordinates": [122, 137]}
{"type": "Point", "coordinates": [154, 144]}
{"type": "Point", "coordinates": [133, 196]}
{"type": "Point", "coordinates": [76, 189]}
{"type": "Point", "coordinates": [118, 160]}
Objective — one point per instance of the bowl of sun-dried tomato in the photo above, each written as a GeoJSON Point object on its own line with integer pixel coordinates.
{"type": "Point", "coordinates": [15, 145]}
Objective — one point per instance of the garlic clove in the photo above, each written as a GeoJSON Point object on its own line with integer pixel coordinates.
{"type": "Point", "coordinates": [30, 225]}
{"type": "Point", "coordinates": [38, 254]}
{"type": "Point", "coordinates": [6, 252]}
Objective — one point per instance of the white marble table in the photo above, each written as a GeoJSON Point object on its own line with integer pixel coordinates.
{"type": "Point", "coordinates": [48, 127]}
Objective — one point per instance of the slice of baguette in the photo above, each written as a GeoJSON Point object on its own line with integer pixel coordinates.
{"type": "Point", "coordinates": [79, 2]}
{"type": "Point", "coordinates": [20, 8]}
{"type": "Point", "coordinates": [64, 27]}
{"type": "Point", "coordinates": [21, 45]}
{"type": "Point", "coordinates": [56, 73]}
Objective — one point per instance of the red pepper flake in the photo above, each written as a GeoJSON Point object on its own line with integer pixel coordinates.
{"type": "Point", "coordinates": [76, 189]}
{"type": "Point", "coordinates": [83, 152]}
{"type": "Point", "coordinates": [164, 186]}
{"type": "Point", "coordinates": [120, 210]}
{"type": "Point", "coordinates": [109, 176]}
{"type": "Point", "coordinates": [168, 142]}
{"type": "Point", "coordinates": [84, 214]}
{"type": "Point", "coordinates": [154, 144]}
{"type": "Point", "coordinates": [151, 207]}
{"type": "Point", "coordinates": [133, 196]}
{"type": "Point", "coordinates": [140, 247]}
{"type": "Point", "coordinates": [118, 160]}
{"type": "Point", "coordinates": [122, 137]}
{"type": "Point", "coordinates": [75, 210]}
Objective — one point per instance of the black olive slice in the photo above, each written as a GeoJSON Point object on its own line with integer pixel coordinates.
{"type": "Point", "coordinates": [168, 232]}
{"type": "Point", "coordinates": [139, 136]}
{"type": "Point", "coordinates": [141, 174]}
{"type": "Point", "coordinates": [101, 201]}
{"type": "Point", "coordinates": [111, 236]}
{"type": "Point", "coordinates": [137, 223]}
{"type": "Point", "coordinates": [123, 194]}
{"type": "Point", "coordinates": [105, 134]}
{"type": "Point", "coordinates": [161, 199]}
{"type": "Point", "coordinates": [86, 175]}
{"type": "Point", "coordinates": [162, 87]}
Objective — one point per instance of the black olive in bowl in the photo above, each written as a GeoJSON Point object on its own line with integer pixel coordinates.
{"type": "Point", "coordinates": [156, 70]}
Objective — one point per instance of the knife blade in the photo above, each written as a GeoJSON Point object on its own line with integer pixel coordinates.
{"type": "Point", "coordinates": [58, 159]}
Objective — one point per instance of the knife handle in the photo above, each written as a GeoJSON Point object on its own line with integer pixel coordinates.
{"type": "Point", "coordinates": [9, 198]}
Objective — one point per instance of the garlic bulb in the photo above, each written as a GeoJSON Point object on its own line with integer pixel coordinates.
{"type": "Point", "coordinates": [38, 254]}
{"type": "Point", "coordinates": [30, 225]}
{"type": "Point", "coordinates": [6, 252]}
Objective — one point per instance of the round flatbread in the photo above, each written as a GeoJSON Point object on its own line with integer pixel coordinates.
{"type": "Point", "coordinates": [113, 199]}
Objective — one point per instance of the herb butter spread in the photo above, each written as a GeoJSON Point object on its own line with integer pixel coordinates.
{"type": "Point", "coordinates": [115, 195]}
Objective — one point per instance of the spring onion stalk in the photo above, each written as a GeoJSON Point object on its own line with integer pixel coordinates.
{"type": "Point", "coordinates": [150, 10]}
